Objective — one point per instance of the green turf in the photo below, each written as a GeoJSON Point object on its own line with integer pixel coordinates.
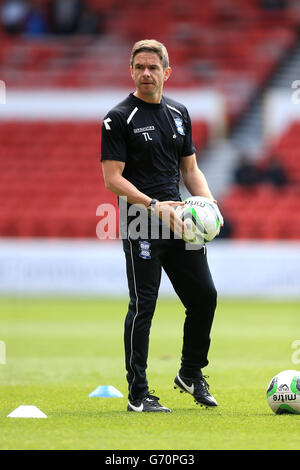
{"type": "Point", "coordinates": [58, 351]}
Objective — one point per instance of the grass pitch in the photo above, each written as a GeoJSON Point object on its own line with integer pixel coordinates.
{"type": "Point", "coordinates": [58, 351]}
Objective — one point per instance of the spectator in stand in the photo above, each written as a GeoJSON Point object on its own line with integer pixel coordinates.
{"type": "Point", "coordinates": [274, 173]}
{"type": "Point", "coordinates": [36, 24]}
{"type": "Point", "coordinates": [246, 172]}
{"type": "Point", "coordinates": [66, 16]}
{"type": "Point", "coordinates": [90, 22]}
{"type": "Point", "coordinates": [273, 4]}
{"type": "Point", "coordinates": [13, 16]}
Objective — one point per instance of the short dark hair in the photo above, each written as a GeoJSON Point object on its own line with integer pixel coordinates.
{"type": "Point", "coordinates": [150, 45]}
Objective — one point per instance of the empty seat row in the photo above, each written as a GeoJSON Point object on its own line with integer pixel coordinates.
{"type": "Point", "coordinates": [51, 182]}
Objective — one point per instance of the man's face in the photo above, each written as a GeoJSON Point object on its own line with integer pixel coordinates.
{"type": "Point", "coordinates": [148, 74]}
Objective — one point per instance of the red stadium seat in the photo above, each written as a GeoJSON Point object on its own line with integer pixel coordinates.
{"type": "Point", "coordinates": [273, 211]}
{"type": "Point", "coordinates": [233, 49]}
{"type": "Point", "coordinates": [48, 169]}
{"type": "Point", "coordinates": [50, 190]}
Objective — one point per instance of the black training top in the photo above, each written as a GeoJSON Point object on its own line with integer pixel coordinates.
{"type": "Point", "coordinates": [150, 139]}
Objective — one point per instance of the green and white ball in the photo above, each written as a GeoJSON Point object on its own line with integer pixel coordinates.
{"type": "Point", "coordinates": [283, 393]}
{"type": "Point", "coordinates": [202, 219]}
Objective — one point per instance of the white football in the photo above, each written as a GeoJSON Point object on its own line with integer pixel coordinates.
{"type": "Point", "coordinates": [283, 392]}
{"type": "Point", "coordinates": [202, 219]}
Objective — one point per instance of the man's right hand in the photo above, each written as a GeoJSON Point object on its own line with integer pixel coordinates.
{"type": "Point", "coordinates": [165, 210]}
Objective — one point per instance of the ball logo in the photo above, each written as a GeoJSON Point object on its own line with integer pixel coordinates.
{"type": "Point", "coordinates": [283, 388]}
{"type": "Point", "coordinates": [195, 203]}
{"type": "Point", "coordinates": [284, 397]}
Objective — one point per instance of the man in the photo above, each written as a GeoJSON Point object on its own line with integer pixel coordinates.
{"type": "Point", "coordinates": [146, 145]}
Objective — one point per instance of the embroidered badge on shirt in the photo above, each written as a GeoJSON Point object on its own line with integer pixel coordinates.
{"type": "Point", "coordinates": [179, 124]}
{"type": "Point", "coordinates": [145, 251]}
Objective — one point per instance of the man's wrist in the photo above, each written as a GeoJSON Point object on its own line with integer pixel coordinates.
{"type": "Point", "coordinates": [151, 206]}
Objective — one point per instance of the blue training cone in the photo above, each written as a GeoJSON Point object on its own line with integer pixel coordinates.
{"type": "Point", "coordinates": [106, 391]}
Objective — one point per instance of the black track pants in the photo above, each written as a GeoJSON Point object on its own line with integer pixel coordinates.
{"type": "Point", "coordinates": [190, 276]}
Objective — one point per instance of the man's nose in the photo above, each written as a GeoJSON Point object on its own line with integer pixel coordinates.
{"type": "Point", "coordinates": [146, 72]}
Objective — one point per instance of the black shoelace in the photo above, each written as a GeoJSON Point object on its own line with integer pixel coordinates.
{"type": "Point", "coordinates": [203, 382]}
{"type": "Point", "coordinates": [148, 396]}
{"type": "Point", "coordinates": [151, 396]}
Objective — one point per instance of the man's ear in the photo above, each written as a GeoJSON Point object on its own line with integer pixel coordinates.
{"type": "Point", "coordinates": [168, 72]}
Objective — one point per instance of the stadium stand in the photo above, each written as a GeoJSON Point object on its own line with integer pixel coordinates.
{"type": "Point", "coordinates": [50, 181]}
{"type": "Point", "coordinates": [266, 211]}
{"type": "Point", "coordinates": [234, 50]}
{"type": "Point", "coordinates": [50, 176]}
